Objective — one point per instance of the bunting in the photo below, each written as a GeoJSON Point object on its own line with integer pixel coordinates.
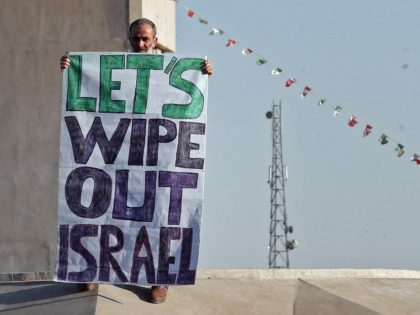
{"type": "Point", "coordinates": [216, 31]}
{"type": "Point", "coordinates": [230, 42]}
{"type": "Point", "coordinates": [261, 61]}
{"type": "Point", "coordinates": [352, 121]}
{"type": "Point", "coordinates": [383, 139]}
{"type": "Point", "coordinates": [289, 82]}
{"type": "Point", "coordinates": [337, 111]}
{"type": "Point", "coordinates": [367, 131]}
{"type": "Point", "coordinates": [399, 149]}
{"type": "Point", "coordinates": [246, 51]}
{"type": "Point", "coordinates": [415, 158]}
{"type": "Point", "coordinates": [276, 71]}
{"type": "Point", "coordinates": [305, 91]}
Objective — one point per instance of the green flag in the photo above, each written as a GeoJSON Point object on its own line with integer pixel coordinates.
{"type": "Point", "coordinates": [261, 61]}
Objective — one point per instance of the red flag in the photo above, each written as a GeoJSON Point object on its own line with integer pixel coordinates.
{"type": "Point", "coordinates": [352, 121]}
{"type": "Point", "coordinates": [306, 90]}
{"type": "Point", "coordinates": [289, 82]}
{"type": "Point", "coordinates": [190, 13]}
{"type": "Point", "coordinates": [367, 131]}
{"type": "Point", "coordinates": [416, 158]}
{"type": "Point", "coordinates": [230, 42]}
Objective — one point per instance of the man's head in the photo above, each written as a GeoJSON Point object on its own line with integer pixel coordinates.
{"type": "Point", "coordinates": [142, 35]}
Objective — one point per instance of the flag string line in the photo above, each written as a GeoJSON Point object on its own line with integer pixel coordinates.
{"type": "Point", "coordinates": [306, 91]}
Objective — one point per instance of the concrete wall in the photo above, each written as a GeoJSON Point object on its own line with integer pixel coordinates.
{"type": "Point", "coordinates": [35, 33]}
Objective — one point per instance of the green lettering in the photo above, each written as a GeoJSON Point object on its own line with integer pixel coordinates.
{"type": "Point", "coordinates": [74, 100]}
{"type": "Point", "coordinates": [143, 64]}
{"type": "Point", "coordinates": [106, 104]}
{"type": "Point", "coordinates": [193, 109]}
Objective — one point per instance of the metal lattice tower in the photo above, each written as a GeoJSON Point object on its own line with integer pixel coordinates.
{"type": "Point", "coordinates": [279, 229]}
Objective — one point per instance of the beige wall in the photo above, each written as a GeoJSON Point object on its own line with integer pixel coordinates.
{"type": "Point", "coordinates": [35, 33]}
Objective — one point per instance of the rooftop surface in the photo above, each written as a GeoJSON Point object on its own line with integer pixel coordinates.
{"type": "Point", "coordinates": [254, 291]}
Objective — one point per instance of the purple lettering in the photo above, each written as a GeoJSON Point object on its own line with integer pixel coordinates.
{"type": "Point", "coordinates": [79, 231]}
{"type": "Point", "coordinates": [166, 235]}
{"type": "Point", "coordinates": [83, 147]}
{"type": "Point", "coordinates": [106, 257]}
{"type": "Point", "coordinates": [177, 182]}
{"type": "Point", "coordinates": [142, 240]}
{"type": "Point", "coordinates": [63, 252]}
{"type": "Point", "coordinates": [101, 197]}
{"type": "Point", "coordinates": [185, 275]}
{"type": "Point", "coordinates": [137, 141]}
{"type": "Point", "coordinates": [143, 213]}
{"type": "Point", "coordinates": [185, 146]}
{"type": "Point", "coordinates": [154, 138]}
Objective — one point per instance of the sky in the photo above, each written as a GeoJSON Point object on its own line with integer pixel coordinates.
{"type": "Point", "coordinates": [351, 201]}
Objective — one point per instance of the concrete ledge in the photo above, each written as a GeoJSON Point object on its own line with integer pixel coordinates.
{"type": "Point", "coordinates": [26, 276]}
{"type": "Point", "coordinates": [253, 274]}
{"type": "Point", "coordinates": [294, 274]}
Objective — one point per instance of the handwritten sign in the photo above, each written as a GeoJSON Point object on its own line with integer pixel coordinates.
{"type": "Point", "coordinates": [131, 173]}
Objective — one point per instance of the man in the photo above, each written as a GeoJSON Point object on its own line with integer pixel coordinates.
{"type": "Point", "coordinates": [142, 35]}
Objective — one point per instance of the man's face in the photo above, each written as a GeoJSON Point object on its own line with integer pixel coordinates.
{"type": "Point", "coordinates": [142, 39]}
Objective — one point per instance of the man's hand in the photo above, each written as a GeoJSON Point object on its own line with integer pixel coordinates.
{"type": "Point", "coordinates": [64, 62]}
{"type": "Point", "coordinates": [207, 68]}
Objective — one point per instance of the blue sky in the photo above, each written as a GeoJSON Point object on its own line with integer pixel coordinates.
{"type": "Point", "coordinates": [352, 202]}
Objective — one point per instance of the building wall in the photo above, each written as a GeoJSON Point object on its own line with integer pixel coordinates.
{"type": "Point", "coordinates": [35, 34]}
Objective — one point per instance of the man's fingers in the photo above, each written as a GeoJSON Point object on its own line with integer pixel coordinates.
{"type": "Point", "coordinates": [64, 62]}
{"type": "Point", "coordinates": [208, 69]}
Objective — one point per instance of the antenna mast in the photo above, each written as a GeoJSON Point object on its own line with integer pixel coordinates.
{"type": "Point", "coordinates": [279, 229]}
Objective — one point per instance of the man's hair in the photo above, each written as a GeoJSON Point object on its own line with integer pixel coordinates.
{"type": "Point", "coordinates": [140, 22]}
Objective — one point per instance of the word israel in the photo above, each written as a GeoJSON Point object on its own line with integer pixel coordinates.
{"type": "Point", "coordinates": [131, 174]}
{"type": "Point", "coordinates": [100, 268]}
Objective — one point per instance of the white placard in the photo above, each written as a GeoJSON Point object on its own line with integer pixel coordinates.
{"type": "Point", "coordinates": [131, 173]}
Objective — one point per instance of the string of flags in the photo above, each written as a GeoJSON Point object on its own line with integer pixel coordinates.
{"type": "Point", "coordinates": [384, 139]}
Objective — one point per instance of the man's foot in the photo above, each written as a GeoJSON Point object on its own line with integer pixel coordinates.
{"type": "Point", "coordinates": [87, 286]}
{"type": "Point", "coordinates": [158, 294]}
